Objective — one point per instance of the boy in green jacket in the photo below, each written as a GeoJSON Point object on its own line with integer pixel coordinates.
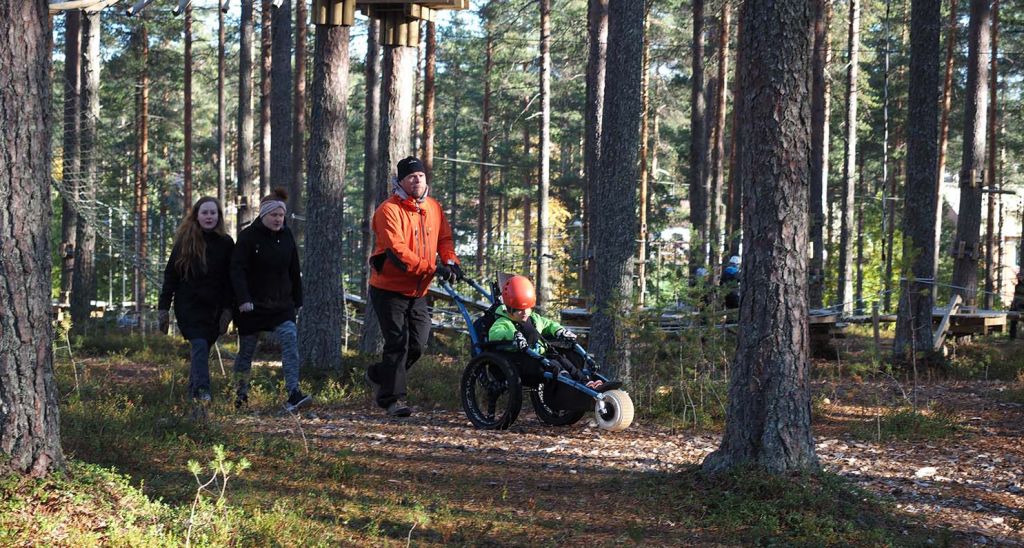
{"type": "Point", "coordinates": [518, 324]}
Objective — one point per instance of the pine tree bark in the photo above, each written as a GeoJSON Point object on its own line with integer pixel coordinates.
{"type": "Point", "coordinates": [718, 146]}
{"type": "Point", "coordinates": [248, 197]}
{"type": "Point", "coordinates": [914, 313]}
{"type": "Point", "coordinates": [614, 216]}
{"type": "Point", "coordinates": [768, 422]}
{"type": "Point", "coordinates": [544, 181]}
{"type": "Point", "coordinates": [395, 142]}
{"type": "Point", "coordinates": [966, 249]}
{"type": "Point", "coordinates": [187, 168]}
{"type": "Point", "coordinates": [296, 203]}
{"type": "Point", "coordinates": [281, 100]}
{"type": "Point", "coordinates": [991, 175]}
{"type": "Point", "coordinates": [142, 173]}
{"type": "Point", "coordinates": [597, 51]}
{"type": "Point", "coordinates": [844, 290]}
{"type": "Point", "coordinates": [819, 150]}
{"type": "Point", "coordinates": [371, 137]}
{"type": "Point", "coordinates": [698, 147]}
{"type": "Point", "coordinates": [222, 123]}
{"type": "Point", "coordinates": [72, 144]}
{"type": "Point", "coordinates": [321, 326]}
{"type": "Point", "coordinates": [429, 97]}
{"type": "Point", "coordinates": [266, 64]}
{"type": "Point", "coordinates": [947, 103]}
{"type": "Point", "coordinates": [84, 278]}
{"type": "Point", "coordinates": [645, 105]}
{"type": "Point", "coordinates": [29, 418]}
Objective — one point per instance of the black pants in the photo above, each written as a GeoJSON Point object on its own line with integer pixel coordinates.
{"type": "Point", "coordinates": [405, 323]}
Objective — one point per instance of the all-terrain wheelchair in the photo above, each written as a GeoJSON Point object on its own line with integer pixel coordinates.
{"type": "Point", "coordinates": [496, 377]}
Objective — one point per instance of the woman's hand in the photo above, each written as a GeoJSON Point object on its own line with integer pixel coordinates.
{"type": "Point", "coordinates": [245, 307]}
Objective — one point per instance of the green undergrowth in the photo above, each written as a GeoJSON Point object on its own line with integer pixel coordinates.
{"type": "Point", "coordinates": [906, 424]}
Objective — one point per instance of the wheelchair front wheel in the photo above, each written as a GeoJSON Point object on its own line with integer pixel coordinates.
{"type": "Point", "coordinates": [492, 394]}
{"type": "Point", "coordinates": [547, 415]}
{"type": "Point", "coordinates": [617, 412]}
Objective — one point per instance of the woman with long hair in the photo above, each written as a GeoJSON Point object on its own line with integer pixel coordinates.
{"type": "Point", "coordinates": [197, 279]}
{"type": "Point", "coordinates": [266, 278]}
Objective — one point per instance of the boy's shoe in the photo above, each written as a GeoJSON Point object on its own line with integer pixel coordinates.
{"type": "Point", "coordinates": [297, 400]}
{"type": "Point", "coordinates": [241, 400]}
{"type": "Point", "coordinates": [202, 396]}
{"type": "Point", "coordinates": [374, 385]}
{"type": "Point", "coordinates": [399, 409]}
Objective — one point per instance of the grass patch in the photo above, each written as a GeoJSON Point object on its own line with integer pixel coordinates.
{"type": "Point", "coordinates": [906, 424]}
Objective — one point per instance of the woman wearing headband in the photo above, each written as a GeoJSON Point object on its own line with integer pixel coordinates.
{"type": "Point", "coordinates": [265, 275]}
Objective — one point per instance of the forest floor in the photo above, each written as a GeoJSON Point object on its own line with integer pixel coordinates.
{"type": "Point", "coordinates": [948, 470]}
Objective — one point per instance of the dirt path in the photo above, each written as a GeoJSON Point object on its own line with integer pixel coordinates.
{"type": "Point", "coordinates": [971, 482]}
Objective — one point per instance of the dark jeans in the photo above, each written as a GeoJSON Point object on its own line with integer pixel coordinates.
{"type": "Point", "coordinates": [199, 370]}
{"type": "Point", "coordinates": [405, 324]}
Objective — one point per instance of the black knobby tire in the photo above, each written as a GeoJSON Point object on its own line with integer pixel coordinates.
{"type": "Point", "coordinates": [547, 415]}
{"type": "Point", "coordinates": [491, 392]}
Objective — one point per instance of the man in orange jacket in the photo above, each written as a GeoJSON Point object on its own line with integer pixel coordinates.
{"type": "Point", "coordinates": [411, 232]}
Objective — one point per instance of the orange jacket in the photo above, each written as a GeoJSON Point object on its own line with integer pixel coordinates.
{"type": "Point", "coordinates": [409, 236]}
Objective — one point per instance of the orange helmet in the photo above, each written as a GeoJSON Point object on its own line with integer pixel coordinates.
{"type": "Point", "coordinates": [518, 293]}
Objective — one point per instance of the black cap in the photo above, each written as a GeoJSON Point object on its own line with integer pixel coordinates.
{"type": "Point", "coordinates": [409, 165]}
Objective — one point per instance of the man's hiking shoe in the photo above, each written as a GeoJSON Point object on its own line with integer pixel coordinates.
{"type": "Point", "coordinates": [399, 409]}
{"type": "Point", "coordinates": [374, 385]}
{"type": "Point", "coordinates": [201, 396]}
{"type": "Point", "coordinates": [241, 401]}
{"type": "Point", "coordinates": [297, 400]}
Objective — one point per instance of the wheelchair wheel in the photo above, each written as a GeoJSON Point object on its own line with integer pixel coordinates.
{"type": "Point", "coordinates": [491, 392]}
{"type": "Point", "coordinates": [618, 411]}
{"type": "Point", "coordinates": [550, 416]}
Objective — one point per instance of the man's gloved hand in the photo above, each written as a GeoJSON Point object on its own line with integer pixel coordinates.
{"type": "Point", "coordinates": [224, 320]}
{"type": "Point", "coordinates": [459, 274]}
{"type": "Point", "coordinates": [519, 341]}
{"type": "Point", "coordinates": [565, 335]}
{"type": "Point", "coordinates": [445, 273]}
{"type": "Point", "coordinates": [245, 307]}
{"type": "Point", "coordinates": [163, 320]}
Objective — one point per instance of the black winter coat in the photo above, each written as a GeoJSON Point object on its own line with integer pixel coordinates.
{"type": "Point", "coordinates": [199, 300]}
{"type": "Point", "coordinates": [265, 272]}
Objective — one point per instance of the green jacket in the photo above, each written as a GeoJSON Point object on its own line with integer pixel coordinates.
{"type": "Point", "coordinates": [504, 329]}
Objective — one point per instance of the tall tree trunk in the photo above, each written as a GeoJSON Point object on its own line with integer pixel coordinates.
{"type": "Point", "coordinates": [991, 175]}
{"type": "Point", "coordinates": [222, 122]}
{"type": "Point", "coordinates": [844, 291]}
{"type": "Point", "coordinates": [947, 102]}
{"type": "Point", "coordinates": [72, 150]}
{"type": "Point", "coordinates": [698, 147]}
{"type": "Point", "coordinates": [296, 204]}
{"type": "Point", "coordinates": [858, 291]}
{"type": "Point", "coordinates": [84, 278]}
{"type": "Point", "coordinates": [641, 265]}
{"type": "Point", "coordinates": [485, 147]}
{"type": "Point", "coordinates": [187, 168]}
{"type": "Point", "coordinates": [266, 64]}
{"type": "Point", "coordinates": [614, 221]}
{"type": "Point", "coordinates": [320, 330]}
{"type": "Point", "coordinates": [247, 186]}
{"type": "Point", "coordinates": [819, 150]}
{"type": "Point", "coordinates": [142, 173]}
{"type": "Point", "coordinates": [281, 101]}
{"type": "Point", "coordinates": [768, 422]}
{"type": "Point", "coordinates": [735, 206]}
{"type": "Point", "coordinates": [371, 137]}
{"type": "Point", "coordinates": [914, 315]}
{"type": "Point", "coordinates": [718, 146]}
{"type": "Point", "coordinates": [966, 251]}
{"type": "Point", "coordinates": [396, 115]}
{"type": "Point", "coordinates": [597, 50]}
{"type": "Point", "coordinates": [889, 203]}
{"type": "Point", "coordinates": [544, 187]}
{"type": "Point", "coordinates": [29, 418]}
{"type": "Point", "coordinates": [527, 204]}
{"type": "Point", "coordinates": [429, 95]}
